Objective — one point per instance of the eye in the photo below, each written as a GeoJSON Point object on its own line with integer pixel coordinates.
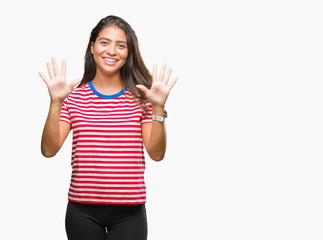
{"type": "Point", "coordinates": [104, 43]}
{"type": "Point", "coordinates": [121, 46]}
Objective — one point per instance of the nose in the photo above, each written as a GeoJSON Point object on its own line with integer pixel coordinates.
{"type": "Point", "coordinates": [111, 49]}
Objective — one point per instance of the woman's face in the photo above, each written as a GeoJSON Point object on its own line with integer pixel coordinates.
{"type": "Point", "coordinates": [110, 50]}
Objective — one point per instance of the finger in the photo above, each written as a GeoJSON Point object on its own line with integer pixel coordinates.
{"type": "Point", "coordinates": [74, 83]}
{"type": "Point", "coordinates": [171, 85]}
{"type": "Point", "coordinates": [43, 77]}
{"type": "Point", "coordinates": [142, 88]}
{"type": "Point", "coordinates": [63, 71]}
{"type": "Point", "coordinates": [50, 71]}
{"type": "Point", "coordinates": [162, 72]}
{"type": "Point", "coordinates": [154, 72]}
{"type": "Point", "coordinates": [55, 68]}
{"type": "Point", "coordinates": [169, 72]}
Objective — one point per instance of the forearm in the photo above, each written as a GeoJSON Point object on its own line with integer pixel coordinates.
{"type": "Point", "coordinates": [50, 137]}
{"type": "Point", "coordinates": [154, 135]}
{"type": "Point", "coordinates": [157, 140]}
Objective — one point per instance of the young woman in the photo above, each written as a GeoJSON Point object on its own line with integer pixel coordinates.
{"type": "Point", "coordinates": [117, 109]}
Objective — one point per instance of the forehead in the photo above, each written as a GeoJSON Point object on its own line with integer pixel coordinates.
{"type": "Point", "coordinates": [113, 33]}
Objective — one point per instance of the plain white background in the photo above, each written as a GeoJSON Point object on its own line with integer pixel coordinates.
{"type": "Point", "coordinates": [245, 132]}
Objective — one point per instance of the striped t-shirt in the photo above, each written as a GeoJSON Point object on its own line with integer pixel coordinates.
{"type": "Point", "coordinates": [108, 161]}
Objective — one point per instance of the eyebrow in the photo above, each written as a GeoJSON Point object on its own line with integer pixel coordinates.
{"type": "Point", "coordinates": [119, 41]}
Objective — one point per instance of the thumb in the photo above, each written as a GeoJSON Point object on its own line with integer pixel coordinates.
{"type": "Point", "coordinates": [142, 88]}
{"type": "Point", "coordinates": [74, 83]}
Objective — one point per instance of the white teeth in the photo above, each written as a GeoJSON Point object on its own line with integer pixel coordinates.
{"type": "Point", "coordinates": [110, 60]}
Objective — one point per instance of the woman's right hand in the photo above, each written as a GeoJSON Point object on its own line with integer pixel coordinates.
{"type": "Point", "coordinates": [57, 86]}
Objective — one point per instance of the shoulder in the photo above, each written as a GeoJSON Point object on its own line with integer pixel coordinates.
{"type": "Point", "coordinates": [128, 94]}
{"type": "Point", "coordinates": [131, 97]}
{"type": "Point", "coordinates": [80, 91]}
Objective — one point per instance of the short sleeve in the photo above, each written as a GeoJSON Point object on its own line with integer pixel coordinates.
{"type": "Point", "coordinates": [65, 115]}
{"type": "Point", "coordinates": [146, 118]}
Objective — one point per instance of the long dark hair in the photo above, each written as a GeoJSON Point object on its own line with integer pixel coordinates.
{"type": "Point", "coordinates": [134, 70]}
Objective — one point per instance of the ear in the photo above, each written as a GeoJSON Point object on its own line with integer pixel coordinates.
{"type": "Point", "coordinates": [92, 46]}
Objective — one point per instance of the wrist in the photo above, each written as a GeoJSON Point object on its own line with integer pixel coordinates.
{"type": "Point", "coordinates": [159, 118]}
{"type": "Point", "coordinates": [57, 103]}
{"type": "Point", "coordinates": [158, 110]}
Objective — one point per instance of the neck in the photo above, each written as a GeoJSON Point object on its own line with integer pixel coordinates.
{"type": "Point", "coordinates": [108, 84]}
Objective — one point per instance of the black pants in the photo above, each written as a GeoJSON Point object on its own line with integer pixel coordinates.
{"type": "Point", "coordinates": [104, 221]}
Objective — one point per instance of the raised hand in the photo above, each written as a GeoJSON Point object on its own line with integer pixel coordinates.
{"type": "Point", "coordinates": [57, 87]}
{"type": "Point", "coordinates": [160, 89]}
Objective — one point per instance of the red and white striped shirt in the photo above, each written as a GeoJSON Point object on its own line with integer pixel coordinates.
{"type": "Point", "coordinates": [108, 161]}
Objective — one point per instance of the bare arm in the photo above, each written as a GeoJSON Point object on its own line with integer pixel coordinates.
{"type": "Point", "coordinates": [55, 131]}
{"type": "Point", "coordinates": [154, 134]}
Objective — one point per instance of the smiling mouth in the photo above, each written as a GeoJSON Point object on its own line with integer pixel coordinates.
{"type": "Point", "coordinates": [109, 60]}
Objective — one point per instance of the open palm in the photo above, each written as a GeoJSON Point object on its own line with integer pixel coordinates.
{"type": "Point", "coordinates": [57, 86]}
{"type": "Point", "coordinates": [160, 89]}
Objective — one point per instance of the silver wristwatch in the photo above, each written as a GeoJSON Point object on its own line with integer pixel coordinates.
{"type": "Point", "coordinates": [159, 118]}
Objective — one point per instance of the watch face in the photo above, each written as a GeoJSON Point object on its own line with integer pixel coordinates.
{"type": "Point", "coordinates": [159, 118]}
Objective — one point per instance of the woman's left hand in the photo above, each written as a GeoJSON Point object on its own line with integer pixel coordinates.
{"type": "Point", "coordinates": [159, 91]}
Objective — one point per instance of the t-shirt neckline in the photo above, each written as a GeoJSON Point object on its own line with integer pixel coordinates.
{"type": "Point", "coordinates": [106, 96]}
